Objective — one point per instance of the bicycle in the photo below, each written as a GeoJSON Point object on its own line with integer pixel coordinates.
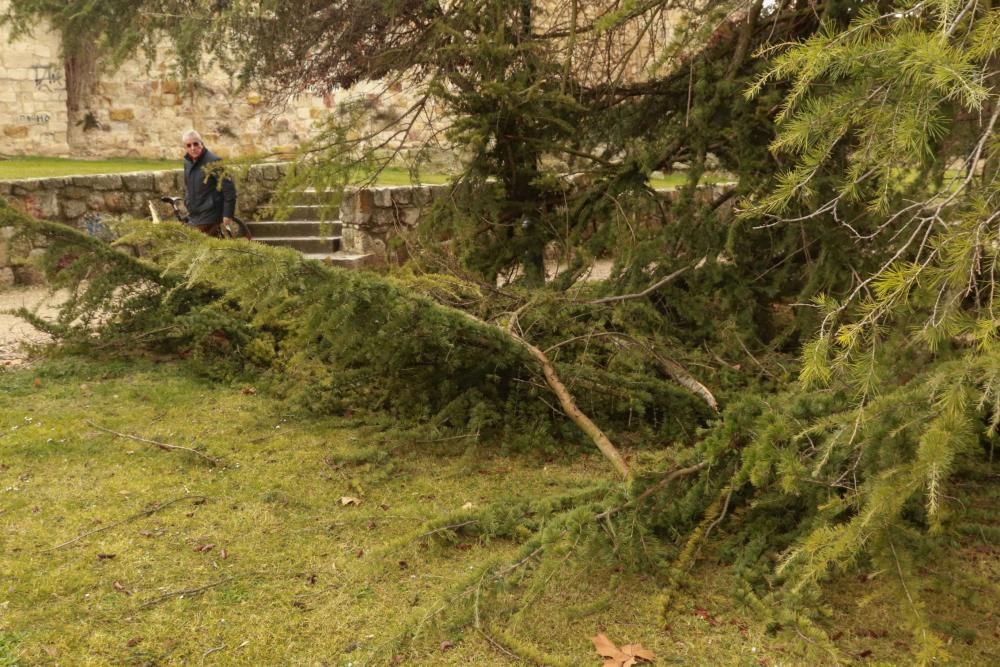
{"type": "Point", "coordinates": [237, 230]}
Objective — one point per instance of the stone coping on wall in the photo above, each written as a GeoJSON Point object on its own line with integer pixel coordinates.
{"type": "Point", "coordinates": [372, 217]}
{"type": "Point", "coordinates": [69, 198]}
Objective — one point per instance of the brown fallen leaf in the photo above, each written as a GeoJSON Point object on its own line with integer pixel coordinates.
{"type": "Point", "coordinates": [706, 615]}
{"type": "Point", "coordinates": [133, 642]}
{"type": "Point", "coordinates": [202, 548]}
{"type": "Point", "coordinates": [636, 650]}
{"type": "Point", "coordinates": [349, 500]}
{"type": "Point", "coordinates": [447, 644]}
{"type": "Point", "coordinates": [223, 554]}
{"type": "Point", "coordinates": [105, 556]}
{"type": "Point", "coordinates": [626, 656]}
{"type": "Point", "coordinates": [120, 587]}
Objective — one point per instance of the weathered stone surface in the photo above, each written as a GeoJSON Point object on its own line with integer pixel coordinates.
{"type": "Point", "coordinates": [42, 204]}
{"type": "Point", "coordinates": [121, 115]}
{"type": "Point", "coordinates": [138, 182]}
{"type": "Point", "coordinates": [382, 197]}
{"type": "Point", "coordinates": [168, 182]}
{"type": "Point", "coordinates": [383, 218]}
{"type": "Point", "coordinates": [7, 278]}
{"type": "Point", "coordinates": [4, 251]}
{"type": "Point", "coordinates": [27, 274]}
{"type": "Point", "coordinates": [410, 216]}
{"type": "Point", "coordinates": [73, 208]}
{"type": "Point", "coordinates": [116, 202]}
{"type": "Point", "coordinates": [15, 131]}
{"type": "Point", "coordinates": [402, 196]}
{"type": "Point", "coordinates": [27, 185]}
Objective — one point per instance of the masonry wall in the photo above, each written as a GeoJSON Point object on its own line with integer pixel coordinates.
{"type": "Point", "coordinates": [141, 109]}
{"type": "Point", "coordinates": [33, 115]}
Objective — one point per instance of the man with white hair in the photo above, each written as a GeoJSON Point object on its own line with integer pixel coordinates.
{"type": "Point", "coordinates": [208, 204]}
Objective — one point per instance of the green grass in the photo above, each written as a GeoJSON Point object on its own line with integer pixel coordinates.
{"type": "Point", "coordinates": [295, 577]}
{"type": "Point", "coordinates": [50, 167]}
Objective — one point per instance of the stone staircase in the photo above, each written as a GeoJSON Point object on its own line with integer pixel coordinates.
{"type": "Point", "coordinates": [306, 230]}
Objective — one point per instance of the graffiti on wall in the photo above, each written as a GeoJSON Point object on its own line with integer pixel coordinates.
{"type": "Point", "coordinates": [47, 77]}
{"type": "Point", "coordinates": [34, 118]}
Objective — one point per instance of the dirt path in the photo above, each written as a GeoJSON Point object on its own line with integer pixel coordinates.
{"type": "Point", "coordinates": [15, 332]}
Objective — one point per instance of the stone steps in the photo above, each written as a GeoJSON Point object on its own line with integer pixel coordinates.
{"type": "Point", "coordinates": [309, 230]}
{"type": "Point", "coordinates": [267, 229]}
{"type": "Point", "coordinates": [310, 245]}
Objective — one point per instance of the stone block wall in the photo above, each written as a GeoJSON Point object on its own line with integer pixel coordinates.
{"type": "Point", "coordinates": [70, 198]}
{"type": "Point", "coordinates": [141, 109]}
{"type": "Point", "coordinates": [372, 217]}
{"type": "Point", "coordinates": [33, 114]}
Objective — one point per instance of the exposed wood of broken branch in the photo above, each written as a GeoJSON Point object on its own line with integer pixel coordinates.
{"type": "Point", "coordinates": [652, 288]}
{"type": "Point", "coordinates": [585, 423]}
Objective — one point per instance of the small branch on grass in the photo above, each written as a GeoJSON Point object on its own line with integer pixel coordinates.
{"type": "Point", "coordinates": [498, 646]}
{"type": "Point", "coordinates": [144, 513]}
{"type": "Point", "coordinates": [161, 445]}
{"type": "Point", "coordinates": [186, 591]}
{"type": "Point", "coordinates": [446, 528]}
{"type": "Point", "coordinates": [214, 649]}
{"type": "Point", "coordinates": [510, 568]}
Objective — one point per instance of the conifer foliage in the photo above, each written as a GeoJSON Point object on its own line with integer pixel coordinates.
{"type": "Point", "coordinates": [864, 141]}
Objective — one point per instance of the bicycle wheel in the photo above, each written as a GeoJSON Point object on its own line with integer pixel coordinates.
{"type": "Point", "coordinates": [237, 230]}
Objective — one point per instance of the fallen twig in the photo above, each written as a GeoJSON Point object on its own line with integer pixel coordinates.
{"type": "Point", "coordinates": [446, 528]}
{"type": "Point", "coordinates": [498, 646]}
{"type": "Point", "coordinates": [186, 591]}
{"type": "Point", "coordinates": [161, 445]}
{"type": "Point", "coordinates": [214, 649]}
{"type": "Point", "coordinates": [671, 476]}
{"type": "Point", "coordinates": [144, 513]}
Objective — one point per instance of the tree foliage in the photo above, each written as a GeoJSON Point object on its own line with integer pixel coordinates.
{"type": "Point", "coordinates": [863, 139]}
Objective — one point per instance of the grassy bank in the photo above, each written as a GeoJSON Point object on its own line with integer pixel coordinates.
{"type": "Point", "coordinates": [287, 549]}
{"type": "Point", "coordinates": [51, 167]}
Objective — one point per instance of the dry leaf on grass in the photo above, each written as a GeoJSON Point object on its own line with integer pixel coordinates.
{"type": "Point", "coordinates": [626, 656]}
{"type": "Point", "coordinates": [349, 500]}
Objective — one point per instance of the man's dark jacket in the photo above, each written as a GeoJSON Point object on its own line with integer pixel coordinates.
{"type": "Point", "coordinates": [205, 202]}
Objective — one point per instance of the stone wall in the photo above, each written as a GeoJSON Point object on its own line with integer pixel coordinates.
{"type": "Point", "coordinates": [372, 217]}
{"type": "Point", "coordinates": [141, 109]}
{"type": "Point", "coordinates": [71, 198]}
{"type": "Point", "coordinates": [33, 114]}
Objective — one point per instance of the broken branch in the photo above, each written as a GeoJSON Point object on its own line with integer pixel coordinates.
{"type": "Point", "coordinates": [144, 513]}
{"type": "Point", "coordinates": [161, 445]}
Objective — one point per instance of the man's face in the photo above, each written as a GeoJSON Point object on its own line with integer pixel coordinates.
{"type": "Point", "coordinates": [193, 148]}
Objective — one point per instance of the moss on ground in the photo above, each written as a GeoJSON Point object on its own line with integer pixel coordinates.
{"type": "Point", "coordinates": [277, 569]}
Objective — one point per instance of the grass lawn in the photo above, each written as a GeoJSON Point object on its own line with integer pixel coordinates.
{"type": "Point", "coordinates": [117, 551]}
{"type": "Point", "coordinates": [49, 167]}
